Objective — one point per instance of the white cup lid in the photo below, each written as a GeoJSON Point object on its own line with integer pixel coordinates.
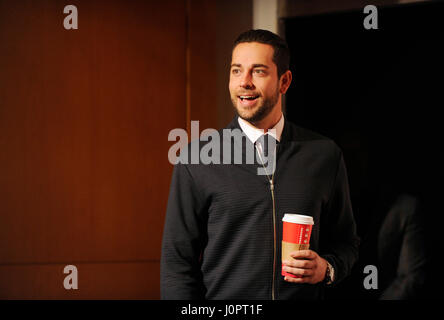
{"type": "Point", "coordinates": [298, 218]}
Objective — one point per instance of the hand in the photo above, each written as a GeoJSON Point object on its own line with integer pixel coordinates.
{"type": "Point", "coordinates": [305, 263]}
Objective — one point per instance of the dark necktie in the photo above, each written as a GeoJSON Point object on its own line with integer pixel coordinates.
{"type": "Point", "coordinates": [268, 146]}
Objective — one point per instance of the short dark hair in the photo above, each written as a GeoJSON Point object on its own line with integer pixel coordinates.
{"type": "Point", "coordinates": [281, 55]}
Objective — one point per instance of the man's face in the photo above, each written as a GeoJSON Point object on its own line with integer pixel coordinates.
{"type": "Point", "coordinates": [254, 83]}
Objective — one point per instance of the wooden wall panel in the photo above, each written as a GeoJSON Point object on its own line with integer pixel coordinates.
{"type": "Point", "coordinates": [202, 35]}
{"type": "Point", "coordinates": [84, 121]}
{"type": "Point", "coordinates": [127, 280]}
{"type": "Point", "coordinates": [213, 27]}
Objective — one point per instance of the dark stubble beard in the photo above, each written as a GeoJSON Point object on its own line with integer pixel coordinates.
{"type": "Point", "coordinates": [262, 112]}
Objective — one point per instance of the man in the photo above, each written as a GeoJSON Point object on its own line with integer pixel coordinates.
{"type": "Point", "coordinates": [223, 227]}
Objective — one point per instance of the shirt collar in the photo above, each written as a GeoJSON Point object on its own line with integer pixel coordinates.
{"type": "Point", "coordinates": [254, 133]}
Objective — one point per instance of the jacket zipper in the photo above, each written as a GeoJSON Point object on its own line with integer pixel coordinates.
{"type": "Point", "coordinates": [273, 297]}
{"type": "Point", "coordinates": [274, 240]}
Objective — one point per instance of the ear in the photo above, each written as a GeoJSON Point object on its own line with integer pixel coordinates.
{"type": "Point", "coordinates": [284, 81]}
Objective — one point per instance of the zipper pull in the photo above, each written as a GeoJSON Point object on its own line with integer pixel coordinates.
{"type": "Point", "coordinates": [271, 185]}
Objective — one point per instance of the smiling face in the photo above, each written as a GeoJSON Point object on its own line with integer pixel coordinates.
{"type": "Point", "coordinates": [255, 87]}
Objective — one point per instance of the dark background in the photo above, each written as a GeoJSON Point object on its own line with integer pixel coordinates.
{"type": "Point", "coordinates": [377, 93]}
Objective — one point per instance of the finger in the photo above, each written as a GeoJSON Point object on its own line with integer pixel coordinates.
{"type": "Point", "coordinates": [296, 280]}
{"type": "Point", "coordinates": [299, 263]}
{"type": "Point", "coordinates": [303, 254]}
{"type": "Point", "coordinates": [308, 280]}
{"type": "Point", "coordinates": [299, 271]}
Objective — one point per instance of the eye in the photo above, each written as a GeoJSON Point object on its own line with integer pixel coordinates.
{"type": "Point", "coordinates": [259, 71]}
{"type": "Point", "coordinates": [235, 71]}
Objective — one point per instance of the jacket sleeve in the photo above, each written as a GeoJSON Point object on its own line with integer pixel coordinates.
{"type": "Point", "coordinates": [183, 240]}
{"type": "Point", "coordinates": [339, 240]}
{"type": "Point", "coordinates": [410, 275]}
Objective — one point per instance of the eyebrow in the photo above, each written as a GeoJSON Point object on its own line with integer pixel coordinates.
{"type": "Point", "coordinates": [260, 66]}
{"type": "Point", "coordinates": [257, 65]}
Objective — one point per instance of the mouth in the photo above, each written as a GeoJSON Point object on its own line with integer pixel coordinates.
{"type": "Point", "coordinates": [248, 97]}
{"type": "Point", "coordinates": [248, 100]}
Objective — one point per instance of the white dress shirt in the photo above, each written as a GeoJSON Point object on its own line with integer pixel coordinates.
{"type": "Point", "coordinates": [254, 133]}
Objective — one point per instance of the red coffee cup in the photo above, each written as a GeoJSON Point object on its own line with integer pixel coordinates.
{"type": "Point", "coordinates": [296, 236]}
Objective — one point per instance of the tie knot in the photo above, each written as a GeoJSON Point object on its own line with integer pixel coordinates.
{"type": "Point", "coordinates": [268, 143]}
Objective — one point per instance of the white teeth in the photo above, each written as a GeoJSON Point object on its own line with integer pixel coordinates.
{"type": "Point", "coordinates": [248, 97]}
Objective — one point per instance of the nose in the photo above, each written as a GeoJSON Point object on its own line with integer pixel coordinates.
{"type": "Point", "coordinates": [247, 81]}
